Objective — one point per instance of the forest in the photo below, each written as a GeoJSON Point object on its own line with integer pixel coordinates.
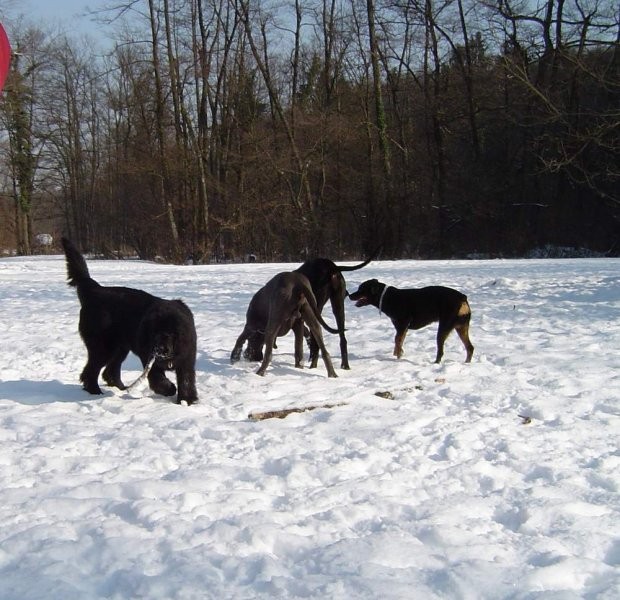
{"type": "Point", "coordinates": [217, 130]}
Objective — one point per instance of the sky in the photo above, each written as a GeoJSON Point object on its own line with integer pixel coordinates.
{"type": "Point", "coordinates": [67, 14]}
{"type": "Point", "coordinates": [493, 480]}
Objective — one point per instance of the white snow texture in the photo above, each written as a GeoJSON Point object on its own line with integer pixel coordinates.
{"type": "Point", "coordinates": [443, 490]}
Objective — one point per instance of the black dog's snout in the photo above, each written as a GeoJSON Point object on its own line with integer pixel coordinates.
{"type": "Point", "coordinates": [164, 347]}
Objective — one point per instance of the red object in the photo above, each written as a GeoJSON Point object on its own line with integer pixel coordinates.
{"type": "Point", "coordinates": [5, 56]}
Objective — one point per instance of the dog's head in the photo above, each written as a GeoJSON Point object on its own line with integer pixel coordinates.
{"type": "Point", "coordinates": [166, 340]}
{"type": "Point", "coordinates": [165, 347]}
{"type": "Point", "coordinates": [254, 350]}
{"type": "Point", "coordinates": [368, 292]}
{"type": "Point", "coordinates": [167, 332]}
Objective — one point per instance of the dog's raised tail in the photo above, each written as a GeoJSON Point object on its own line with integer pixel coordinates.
{"type": "Point", "coordinates": [311, 301]}
{"type": "Point", "coordinates": [372, 256]}
{"type": "Point", "coordinates": [77, 271]}
{"type": "Point", "coordinates": [326, 326]}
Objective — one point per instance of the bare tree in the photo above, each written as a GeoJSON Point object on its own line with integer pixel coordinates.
{"type": "Point", "coordinates": [301, 194]}
{"type": "Point", "coordinates": [163, 175]}
{"type": "Point", "coordinates": [71, 106]}
{"type": "Point", "coordinates": [26, 139]}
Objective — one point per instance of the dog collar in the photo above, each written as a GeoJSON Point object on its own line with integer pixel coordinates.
{"type": "Point", "coordinates": [381, 298]}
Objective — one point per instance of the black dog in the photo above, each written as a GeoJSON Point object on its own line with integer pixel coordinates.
{"type": "Point", "coordinates": [286, 302]}
{"type": "Point", "coordinates": [116, 320]}
{"type": "Point", "coordinates": [328, 284]}
{"type": "Point", "coordinates": [416, 308]}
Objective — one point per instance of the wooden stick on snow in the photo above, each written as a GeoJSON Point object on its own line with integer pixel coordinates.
{"type": "Point", "coordinates": [285, 412]}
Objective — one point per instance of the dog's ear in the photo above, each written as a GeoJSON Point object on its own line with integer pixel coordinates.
{"type": "Point", "coordinates": [376, 287]}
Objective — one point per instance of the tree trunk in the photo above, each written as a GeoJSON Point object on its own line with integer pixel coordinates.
{"type": "Point", "coordinates": [162, 177]}
{"type": "Point", "coordinates": [469, 83]}
{"type": "Point", "coordinates": [380, 119]}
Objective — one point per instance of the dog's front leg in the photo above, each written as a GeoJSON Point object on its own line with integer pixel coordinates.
{"type": "Point", "coordinates": [399, 341]}
{"type": "Point", "coordinates": [443, 331]}
{"type": "Point", "coordinates": [159, 383]}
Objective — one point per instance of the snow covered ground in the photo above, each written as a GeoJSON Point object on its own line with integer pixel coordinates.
{"type": "Point", "coordinates": [442, 491]}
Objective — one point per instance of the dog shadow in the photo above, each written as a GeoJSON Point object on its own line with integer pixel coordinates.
{"type": "Point", "coordinates": [32, 393]}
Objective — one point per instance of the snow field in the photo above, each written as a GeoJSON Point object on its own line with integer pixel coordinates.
{"type": "Point", "coordinates": [441, 491]}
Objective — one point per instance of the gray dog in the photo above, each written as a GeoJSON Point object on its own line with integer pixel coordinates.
{"type": "Point", "coordinates": [285, 302]}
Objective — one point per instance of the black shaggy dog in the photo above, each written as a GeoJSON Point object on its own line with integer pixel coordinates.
{"type": "Point", "coordinates": [117, 320]}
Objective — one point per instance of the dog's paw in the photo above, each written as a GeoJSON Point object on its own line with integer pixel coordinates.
{"type": "Point", "coordinates": [187, 401]}
{"type": "Point", "coordinates": [164, 388]}
{"type": "Point", "coordinates": [93, 389]}
{"type": "Point", "coordinates": [117, 383]}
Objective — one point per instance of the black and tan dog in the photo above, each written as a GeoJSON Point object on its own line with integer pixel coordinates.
{"type": "Point", "coordinates": [285, 302]}
{"type": "Point", "coordinates": [117, 320]}
{"type": "Point", "coordinates": [328, 283]}
{"type": "Point", "coordinates": [416, 308]}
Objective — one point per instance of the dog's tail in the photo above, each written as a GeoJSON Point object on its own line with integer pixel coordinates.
{"type": "Point", "coordinates": [77, 271]}
{"type": "Point", "coordinates": [326, 326]}
{"type": "Point", "coordinates": [311, 301]}
{"type": "Point", "coordinates": [374, 255]}
{"type": "Point", "coordinates": [464, 313]}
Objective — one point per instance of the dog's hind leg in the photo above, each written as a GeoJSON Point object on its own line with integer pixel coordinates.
{"type": "Point", "coordinates": [314, 350]}
{"type": "Point", "coordinates": [90, 374]}
{"type": "Point", "coordinates": [270, 337]}
{"type": "Point", "coordinates": [112, 373]}
{"type": "Point", "coordinates": [315, 330]}
{"type": "Point", "coordinates": [89, 377]}
{"type": "Point", "coordinates": [463, 333]}
{"type": "Point", "coordinates": [462, 328]}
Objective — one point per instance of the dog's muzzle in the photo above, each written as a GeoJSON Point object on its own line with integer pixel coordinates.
{"type": "Point", "coordinates": [164, 353]}
{"type": "Point", "coordinates": [167, 360]}
{"type": "Point", "coordinates": [359, 300]}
